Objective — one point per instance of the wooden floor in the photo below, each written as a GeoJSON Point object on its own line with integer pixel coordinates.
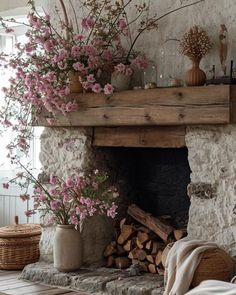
{"type": "Point", "coordinates": [10, 284]}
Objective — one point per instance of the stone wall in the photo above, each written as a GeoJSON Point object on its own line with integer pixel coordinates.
{"type": "Point", "coordinates": [212, 214]}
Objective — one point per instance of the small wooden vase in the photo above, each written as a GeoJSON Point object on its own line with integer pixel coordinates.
{"type": "Point", "coordinates": [74, 83]}
{"type": "Point", "coordinates": [195, 76]}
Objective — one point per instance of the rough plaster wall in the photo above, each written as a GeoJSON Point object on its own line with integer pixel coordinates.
{"type": "Point", "coordinates": [209, 14]}
{"type": "Point", "coordinates": [212, 160]}
{"type": "Point", "coordinates": [65, 151]}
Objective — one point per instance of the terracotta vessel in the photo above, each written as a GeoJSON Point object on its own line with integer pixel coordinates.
{"type": "Point", "coordinates": [195, 76]}
{"type": "Point", "coordinates": [74, 83]}
{"type": "Point", "coordinates": [67, 248]}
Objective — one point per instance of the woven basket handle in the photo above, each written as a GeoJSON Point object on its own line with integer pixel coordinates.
{"type": "Point", "coordinates": [16, 220]}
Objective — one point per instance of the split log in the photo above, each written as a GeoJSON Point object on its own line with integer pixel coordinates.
{"type": "Point", "coordinates": [157, 246]}
{"type": "Point", "coordinates": [139, 245]}
{"type": "Point", "coordinates": [110, 261]}
{"type": "Point", "coordinates": [152, 268]}
{"type": "Point", "coordinates": [180, 233]}
{"type": "Point", "coordinates": [137, 254]}
{"type": "Point", "coordinates": [143, 237]}
{"type": "Point", "coordinates": [150, 258]}
{"type": "Point", "coordinates": [149, 245]}
{"type": "Point", "coordinates": [122, 262]}
{"type": "Point", "coordinates": [110, 249]}
{"type": "Point", "coordinates": [122, 222]}
{"type": "Point", "coordinates": [120, 250]}
{"type": "Point", "coordinates": [158, 258]}
{"type": "Point", "coordinates": [126, 232]}
{"type": "Point", "coordinates": [128, 246]}
{"type": "Point", "coordinates": [161, 229]}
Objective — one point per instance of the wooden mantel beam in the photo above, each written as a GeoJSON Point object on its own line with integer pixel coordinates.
{"type": "Point", "coordinates": [150, 137]}
{"type": "Point", "coordinates": [153, 107]}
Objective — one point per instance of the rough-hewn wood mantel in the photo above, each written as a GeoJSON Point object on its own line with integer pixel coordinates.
{"type": "Point", "coordinates": [128, 111]}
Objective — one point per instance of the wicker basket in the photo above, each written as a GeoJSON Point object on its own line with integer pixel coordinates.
{"type": "Point", "coordinates": [215, 264]}
{"type": "Point", "coordinates": [19, 245]}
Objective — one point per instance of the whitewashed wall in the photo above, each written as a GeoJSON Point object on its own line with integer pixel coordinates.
{"type": "Point", "coordinates": [209, 14]}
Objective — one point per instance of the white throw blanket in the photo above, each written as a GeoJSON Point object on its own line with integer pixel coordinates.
{"type": "Point", "coordinates": [213, 287]}
{"type": "Point", "coordinates": [181, 263]}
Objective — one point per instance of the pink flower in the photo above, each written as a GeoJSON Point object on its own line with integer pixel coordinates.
{"type": "Point", "coordinates": [141, 62]}
{"type": "Point", "coordinates": [75, 51]}
{"type": "Point", "coordinates": [78, 66]}
{"type": "Point", "coordinates": [121, 24]}
{"type": "Point", "coordinates": [108, 89]}
{"type": "Point", "coordinates": [9, 30]}
{"type": "Point", "coordinates": [5, 185]}
{"type": "Point", "coordinates": [29, 213]}
{"type": "Point", "coordinates": [71, 107]}
{"type": "Point", "coordinates": [96, 88]}
{"type": "Point", "coordinates": [70, 182]}
{"type": "Point", "coordinates": [111, 212]}
{"type": "Point", "coordinates": [55, 205]}
{"type": "Point", "coordinates": [24, 197]}
{"type": "Point", "coordinates": [90, 78]}
{"type": "Point", "coordinates": [87, 23]}
{"type": "Point", "coordinates": [128, 71]}
{"type": "Point", "coordinates": [107, 55]}
{"type": "Point", "coordinates": [120, 68]}
{"type": "Point", "coordinates": [53, 179]}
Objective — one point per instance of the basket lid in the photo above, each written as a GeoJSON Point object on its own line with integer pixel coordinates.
{"type": "Point", "coordinates": [20, 230]}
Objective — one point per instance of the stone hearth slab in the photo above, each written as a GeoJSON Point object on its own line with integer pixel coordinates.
{"type": "Point", "coordinates": [100, 281]}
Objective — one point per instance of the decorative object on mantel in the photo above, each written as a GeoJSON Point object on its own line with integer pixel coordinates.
{"type": "Point", "coordinates": [66, 203]}
{"type": "Point", "coordinates": [121, 77]}
{"type": "Point", "coordinates": [223, 52]}
{"type": "Point", "coordinates": [150, 76]}
{"type": "Point", "coordinates": [75, 84]}
{"type": "Point", "coordinates": [195, 44]}
{"type": "Point", "coordinates": [19, 245]}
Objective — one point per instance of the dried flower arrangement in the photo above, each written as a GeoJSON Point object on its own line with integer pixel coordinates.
{"type": "Point", "coordinates": [195, 43]}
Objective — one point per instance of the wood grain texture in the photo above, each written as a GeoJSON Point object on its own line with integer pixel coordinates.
{"type": "Point", "coordinates": [161, 106]}
{"type": "Point", "coordinates": [163, 137]}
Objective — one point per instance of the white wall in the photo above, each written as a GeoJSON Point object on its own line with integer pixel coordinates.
{"type": "Point", "coordinates": [209, 14]}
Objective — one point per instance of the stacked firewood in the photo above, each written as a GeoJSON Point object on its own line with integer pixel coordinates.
{"type": "Point", "coordinates": [141, 240]}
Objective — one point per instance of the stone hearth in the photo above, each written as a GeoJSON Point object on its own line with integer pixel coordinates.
{"type": "Point", "coordinates": [98, 281]}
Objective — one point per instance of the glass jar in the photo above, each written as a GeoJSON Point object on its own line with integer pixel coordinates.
{"type": "Point", "coordinates": [170, 63]}
{"type": "Point", "coordinates": [150, 74]}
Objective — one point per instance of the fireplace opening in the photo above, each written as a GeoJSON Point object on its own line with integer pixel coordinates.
{"type": "Point", "coordinates": [155, 179]}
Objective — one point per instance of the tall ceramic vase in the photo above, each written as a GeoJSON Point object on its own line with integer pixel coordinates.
{"type": "Point", "coordinates": [67, 248]}
{"type": "Point", "coordinates": [195, 76]}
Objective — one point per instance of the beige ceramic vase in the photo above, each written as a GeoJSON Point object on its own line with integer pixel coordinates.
{"type": "Point", "coordinates": [67, 248]}
{"type": "Point", "coordinates": [120, 81]}
{"type": "Point", "coordinates": [195, 76]}
{"type": "Point", "coordinates": [74, 83]}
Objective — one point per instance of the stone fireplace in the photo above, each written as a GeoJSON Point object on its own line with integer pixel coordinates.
{"type": "Point", "coordinates": [209, 153]}
{"type": "Point", "coordinates": [185, 171]}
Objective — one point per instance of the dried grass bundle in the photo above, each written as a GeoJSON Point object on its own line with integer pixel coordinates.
{"type": "Point", "coordinates": [195, 43]}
